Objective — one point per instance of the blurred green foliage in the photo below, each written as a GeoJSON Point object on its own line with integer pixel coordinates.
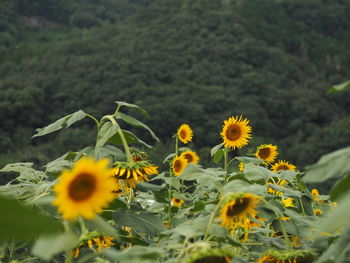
{"type": "Point", "coordinates": [197, 62]}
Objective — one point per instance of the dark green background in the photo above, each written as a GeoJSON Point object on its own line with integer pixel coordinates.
{"type": "Point", "coordinates": [197, 62]}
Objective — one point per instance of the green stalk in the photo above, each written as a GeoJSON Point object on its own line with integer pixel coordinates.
{"type": "Point", "coordinates": [176, 144]}
{"type": "Point", "coordinates": [225, 161]}
{"type": "Point", "coordinates": [122, 137]}
{"type": "Point", "coordinates": [211, 220]}
{"type": "Point", "coordinates": [94, 119]}
{"type": "Point", "coordinates": [68, 230]}
{"type": "Point", "coordinates": [284, 232]}
{"type": "Point", "coordinates": [302, 206]}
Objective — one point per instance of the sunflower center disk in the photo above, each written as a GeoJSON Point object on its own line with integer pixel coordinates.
{"type": "Point", "coordinates": [233, 132]}
{"type": "Point", "coordinates": [238, 207]}
{"type": "Point", "coordinates": [264, 153]}
{"type": "Point", "coordinates": [183, 134]}
{"type": "Point", "coordinates": [212, 259]}
{"type": "Point", "coordinates": [177, 166]}
{"type": "Point", "coordinates": [282, 167]}
{"type": "Point", "coordinates": [189, 157]}
{"type": "Point", "coordinates": [82, 187]}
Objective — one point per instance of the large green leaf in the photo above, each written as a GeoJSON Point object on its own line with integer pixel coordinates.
{"type": "Point", "coordinates": [337, 218]}
{"type": "Point", "coordinates": [136, 123]}
{"type": "Point", "coordinates": [129, 137]}
{"type": "Point", "coordinates": [64, 122]}
{"type": "Point", "coordinates": [25, 170]}
{"type": "Point", "coordinates": [135, 254]}
{"type": "Point", "coordinates": [332, 165]}
{"type": "Point", "coordinates": [140, 221]}
{"type": "Point", "coordinates": [339, 87]}
{"type": "Point", "coordinates": [130, 105]}
{"type": "Point", "coordinates": [23, 222]}
{"type": "Point", "coordinates": [107, 131]}
{"type": "Point", "coordinates": [340, 188]}
{"type": "Point", "coordinates": [49, 245]}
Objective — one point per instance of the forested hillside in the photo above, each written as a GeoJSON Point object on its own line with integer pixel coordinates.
{"type": "Point", "coordinates": [195, 62]}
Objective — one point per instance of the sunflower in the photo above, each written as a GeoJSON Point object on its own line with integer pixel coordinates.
{"type": "Point", "coordinates": [179, 164]}
{"type": "Point", "coordinates": [131, 173]}
{"type": "Point", "coordinates": [236, 132]}
{"type": "Point", "coordinates": [211, 255]}
{"type": "Point", "coordinates": [283, 165]}
{"type": "Point", "coordinates": [288, 202]}
{"type": "Point", "coordinates": [185, 133]}
{"type": "Point", "coordinates": [241, 167]}
{"type": "Point", "coordinates": [237, 208]}
{"type": "Point", "coordinates": [315, 194]}
{"type": "Point", "coordinates": [93, 240]}
{"type": "Point", "coordinates": [85, 189]}
{"type": "Point", "coordinates": [318, 212]}
{"type": "Point", "coordinates": [177, 202]}
{"type": "Point", "coordinates": [295, 256]}
{"type": "Point", "coordinates": [280, 183]}
{"type": "Point", "coordinates": [267, 152]}
{"type": "Point", "coordinates": [191, 157]}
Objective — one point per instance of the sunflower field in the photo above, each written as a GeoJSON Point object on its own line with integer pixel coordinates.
{"type": "Point", "coordinates": [109, 203]}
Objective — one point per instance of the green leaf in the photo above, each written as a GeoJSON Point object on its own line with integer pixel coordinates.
{"type": "Point", "coordinates": [49, 245]}
{"type": "Point", "coordinates": [104, 227]}
{"type": "Point", "coordinates": [338, 217]}
{"type": "Point", "coordinates": [140, 221]}
{"type": "Point", "coordinates": [136, 123]}
{"type": "Point", "coordinates": [341, 187]}
{"type": "Point", "coordinates": [332, 165]}
{"type": "Point", "coordinates": [107, 131]}
{"type": "Point", "coordinates": [64, 122]}
{"type": "Point", "coordinates": [135, 254]}
{"type": "Point", "coordinates": [218, 155]}
{"type": "Point", "coordinates": [25, 170]}
{"type": "Point", "coordinates": [22, 222]}
{"type": "Point", "coordinates": [256, 173]}
{"type": "Point", "coordinates": [215, 149]}
{"type": "Point", "coordinates": [129, 137]}
{"type": "Point", "coordinates": [130, 105]}
{"type": "Point", "coordinates": [339, 87]}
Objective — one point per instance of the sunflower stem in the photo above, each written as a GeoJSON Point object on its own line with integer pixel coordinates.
{"type": "Point", "coordinates": [211, 220]}
{"type": "Point", "coordinates": [67, 230]}
{"type": "Point", "coordinates": [176, 145]}
{"type": "Point", "coordinates": [84, 230]}
{"type": "Point", "coordinates": [284, 232]}
{"type": "Point", "coordinates": [169, 194]}
{"type": "Point", "coordinates": [225, 161]}
{"type": "Point", "coordinates": [94, 119]}
{"type": "Point", "coordinates": [302, 206]}
{"type": "Point", "coordinates": [122, 137]}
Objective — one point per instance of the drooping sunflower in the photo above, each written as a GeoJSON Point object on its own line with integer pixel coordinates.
{"type": "Point", "coordinates": [211, 255]}
{"type": "Point", "coordinates": [177, 202]}
{"type": "Point", "coordinates": [237, 208]}
{"type": "Point", "coordinates": [179, 164]}
{"type": "Point", "coordinates": [267, 152]}
{"type": "Point", "coordinates": [283, 165]}
{"type": "Point", "coordinates": [85, 189]}
{"type": "Point", "coordinates": [279, 256]}
{"type": "Point", "coordinates": [191, 157]}
{"type": "Point", "coordinates": [93, 240]}
{"type": "Point", "coordinates": [236, 132]}
{"type": "Point", "coordinates": [185, 133]}
{"type": "Point", "coordinates": [131, 173]}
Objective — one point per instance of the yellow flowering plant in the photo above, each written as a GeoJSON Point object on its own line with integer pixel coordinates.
{"type": "Point", "coordinates": [109, 202]}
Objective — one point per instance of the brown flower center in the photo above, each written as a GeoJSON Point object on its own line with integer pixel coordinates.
{"type": "Point", "coordinates": [238, 207]}
{"type": "Point", "coordinates": [177, 166]}
{"type": "Point", "coordinates": [177, 200]}
{"type": "Point", "coordinates": [183, 134]}
{"type": "Point", "coordinates": [282, 167]}
{"type": "Point", "coordinates": [82, 187]}
{"type": "Point", "coordinates": [214, 259]}
{"type": "Point", "coordinates": [233, 132]}
{"type": "Point", "coordinates": [189, 157]}
{"type": "Point", "coordinates": [264, 153]}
